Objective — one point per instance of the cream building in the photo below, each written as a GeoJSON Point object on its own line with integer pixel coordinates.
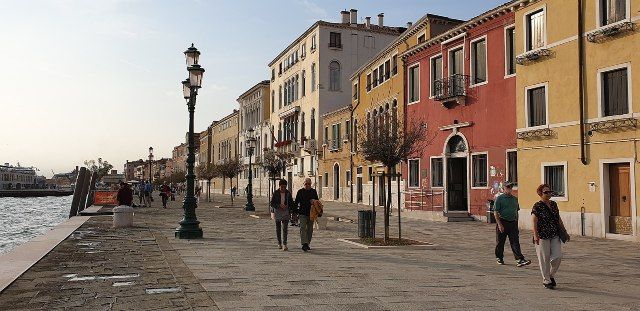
{"type": "Point", "coordinates": [310, 77]}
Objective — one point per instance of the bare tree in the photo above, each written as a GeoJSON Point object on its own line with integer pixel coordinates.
{"type": "Point", "coordinates": [230, 169]}
{"type": "Point", "coordinates": [384, 139]}
{"type": "Point", "coordinates": [101, 167]}
{"type": "Point", "coordinates": [208, 172]}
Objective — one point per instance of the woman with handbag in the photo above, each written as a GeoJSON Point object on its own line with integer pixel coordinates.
{"type": "Point", "coordinates": [280, 206]}
{"type": "Point", "coordinates": [548, 235]}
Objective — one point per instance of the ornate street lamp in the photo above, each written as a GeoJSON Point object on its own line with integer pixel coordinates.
{"type": "Point", "coordinates": [250, 140]}
{"type": "Point", "coordinates": [150, 161]}
{"type": "Point", "coordinates": [189, 225]}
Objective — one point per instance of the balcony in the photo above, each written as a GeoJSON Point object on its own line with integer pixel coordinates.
{"type": "Point", "coordinates": [614, 125]}
{"type": "Point", "coordinates": [452, 90]}
{"type": "Point", "coordinates": [610, 31]}
{"type": "Point", "coordinates": [536, 134]}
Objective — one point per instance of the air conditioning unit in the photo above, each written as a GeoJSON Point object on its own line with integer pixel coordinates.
{"type": "Point", "coordinates": [310, 145]}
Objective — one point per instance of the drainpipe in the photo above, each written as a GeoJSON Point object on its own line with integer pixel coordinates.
{"type": "Point", "coordinates": [583, 157]}
{"type": "Point", "coordinates": [352, 140]}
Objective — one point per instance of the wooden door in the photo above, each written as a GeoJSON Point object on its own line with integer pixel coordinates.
{"type": "Point", "coordinates": [620, 198]}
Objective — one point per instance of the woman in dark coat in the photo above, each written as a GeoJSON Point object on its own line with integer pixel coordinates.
{"type": "Point", "coordinates": [280, 206]}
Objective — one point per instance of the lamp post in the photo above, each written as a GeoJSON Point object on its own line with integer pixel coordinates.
{"type": "Point", "coordinates": [250, 140]}
{"type": "Point", "coordinates": [150, 161]}
{"type": "Point", "coordinates": [189, 225]}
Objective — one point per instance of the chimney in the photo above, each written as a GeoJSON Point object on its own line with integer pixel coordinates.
{"type": "Point", "coordinates": [345, 16]}
{"type": "Point", "coordinates": [409, 24]}
{"type": "Point", "coordinates": [381, 19]}
{"type": "Point", "coordinates": [368, 21]}
{"type": "Point", "coordinates": [354, 17]}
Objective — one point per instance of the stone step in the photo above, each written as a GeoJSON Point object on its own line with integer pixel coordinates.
{"type": "Point", "coordinates": [457, 216]}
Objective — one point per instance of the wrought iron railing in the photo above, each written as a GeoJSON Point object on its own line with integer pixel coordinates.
{"type": "Point", "coordinates": [453, 86]}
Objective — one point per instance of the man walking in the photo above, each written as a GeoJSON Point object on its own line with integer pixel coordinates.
{"type": "Point", "coordinates": [304, 199]}
{"type": "Point", "coordinates": [147, 192]}
{"type": "Point", "coordinates": [141, 197]}
{"type": "Point", "coordinates": [506, 210]}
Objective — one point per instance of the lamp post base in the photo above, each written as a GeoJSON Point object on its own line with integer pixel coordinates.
{"type": "Point", "coordinates": [189, 231]}
{"type": "Point", "coordinates": [249, 207]}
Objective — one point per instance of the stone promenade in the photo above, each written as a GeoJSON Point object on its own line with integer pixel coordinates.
{"type": "Point", "coordinates": [237, 266]}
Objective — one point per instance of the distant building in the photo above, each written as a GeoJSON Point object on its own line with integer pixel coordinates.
{"type": "Point", "coordinates": [113, 178]}
{"type": "Point", "coordinates": [16, 177]}
{"type": "Point", "coordinates": [130, 169]}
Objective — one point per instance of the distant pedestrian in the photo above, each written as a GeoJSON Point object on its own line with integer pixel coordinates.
{"type": "Point", "coordinates": [304, 199]}
{"type": "Point", "coordinates": [125, 194]}
{"type": "Point", "coordinates": [165, 192]}
{"type": "Point", "coordinates": [198, 190]}
{"type": "Point", "coordinates": [506, 210]}
{"type": "Point", "coordinates": [233, 191]}
{"type": "Point", "coordinates": [141, 197]}
{"type": "Point", "coordinates": [147, 192]}
{"type": "Point", "coordinates": [548, 234]}
{"type": "Point", "coordinates": [280, 205]}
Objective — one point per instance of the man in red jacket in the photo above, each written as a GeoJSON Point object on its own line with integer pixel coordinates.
{"type": "Point", "coordinates": [125, 194]}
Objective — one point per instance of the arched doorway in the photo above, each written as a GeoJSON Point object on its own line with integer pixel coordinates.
{"type": "Point", "coordinates": [456, 185]}
{"type": "Point", "coordinates": [336, 181]}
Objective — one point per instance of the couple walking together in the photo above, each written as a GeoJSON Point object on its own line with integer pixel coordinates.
{"type": "Point", "coordinates": [306, 205]}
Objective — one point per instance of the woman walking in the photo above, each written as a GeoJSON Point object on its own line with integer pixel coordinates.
{"type": "Point", "coordinates": [548, 235]}
{"type": "Point", "coordinates": [280, 205]}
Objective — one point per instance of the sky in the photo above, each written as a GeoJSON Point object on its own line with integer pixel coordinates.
{"type": "Point", "coordinates": [88, 79]}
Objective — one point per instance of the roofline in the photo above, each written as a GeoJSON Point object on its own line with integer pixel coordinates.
{"type": "Point", "coordinates": [235, 112]}
{"type": "Point", "coordinates": [253, 88]}
{"type": "Point", "coordinates": [386, 30]}
{"type": "Point", "coordinates": [348, 107]}
{"type": "Point", "coordinates": [474, 22]}
{"type": "Point", "coordinates": [417, 26]}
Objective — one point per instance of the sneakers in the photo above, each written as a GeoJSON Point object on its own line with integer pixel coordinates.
{"type": "Point", "coordinates": [285, 248]}
{"type": "Point", "coordinates": [553, 282]}
{"type": "Point", "coordinates": [305, 247]}
{"type": "Point", "coordinates": [500, 261]}
{"type": "Point", "coordinates": [523, 262]}
{"type": "Point", "coordinates": [549, 286]}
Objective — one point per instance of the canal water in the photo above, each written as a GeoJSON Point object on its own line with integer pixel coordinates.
{"type": "Point", "coordinates": [21, 219]}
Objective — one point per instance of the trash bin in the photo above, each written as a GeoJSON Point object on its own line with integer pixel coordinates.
{"type": "Point", "coordinates": [491, 218]}
{"type": "Point", "coordinates": [122, 216]}
{"type": "Point", "coordinates": [366, 223]}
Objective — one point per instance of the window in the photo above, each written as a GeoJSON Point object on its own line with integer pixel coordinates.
{"type": "Point", "coordinates": [368, 82]}
{"type": "Point", "coordinates": [304, 83]}
{"type": "Point", "coordinates": [334, 76]}
{"type": "Point", "coordinates": [370, 173]}
{"type": "Point", "coordinates": [535, 27]}
{"type": "Point", "coordinates": [612, 11]}
{"type": "Point", "coordinates": [355, 91]}
{"type": "Point", "coordinates": [479, 61]}
{"type": "Point", "coordinates": [335, 40]}
{"type": "Point", "coordinates": [422, 38]}
{"type": "Point", "coordinates": [273, 74]}
{"type": "Point", "coordinates": [536, 102]}
{"type": "Point", "coordinates": [480, 171]}
{"type": "Point", "coordinates": [554, 175]}
{"type": "Point", "coordinates": [347, 130]}
{"type": "Point", "coordinates": [280, 97]}
{"type": "Point", "coordinates": [313, 124]}
{"type": "Point", "coordinates": [348, 178]}
{"type": "Point", "coordinates": [394, 63]}
{"type": "Point", "coordinates": [273, 100]}
{"type": "Point", "coordinates": [615, 92]}
{"type": "Point", "coordinates": [512, 166]}
{"type": "Point", "coordinates": [414, 173]}
{"type": "Point", "coordinates": [414, 84]}
{"type": "Point", "coordinates": [437, 172]}
{"type": "Point", "coordinates": [456, 62]}
{"type": "Point", "coordinates": [354, 145]}
{"type": "Point", "coordinates": [375, 77]}
{"type": "Point", "coordinates": [279, 68]}
{"type": "Point", "coordinates": [313, 77]}
{"type": "Point", "coordinates": [387, 69]}
{"type": "Point", "coordinates": [326, 135]}
{"type": "Point", "coordinates": [326, 179]}
{"type": "Point", "coordinates": [436, 75]}
{"type": "Point", "coordinates": [313, 42]}
{"type": "Point", "coordinates": [335, 131]}
{"type": "Point", "coordinates": [303, 52]}
{"type": "Point", "coordinates": [381, 73]}
{"type": "Point", "coordinates": [510, 55]}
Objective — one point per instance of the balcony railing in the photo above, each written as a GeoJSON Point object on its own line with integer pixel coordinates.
{"type": "Point", "coordinates": [451, 89]}
{"type": "Point", "coordinates": [610, 31]}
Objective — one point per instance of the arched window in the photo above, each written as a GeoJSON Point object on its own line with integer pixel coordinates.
{"type": "Point", "coordinates": [313, 123]}
{"type": "Point", "coordinates": [313, 77]}
{"type": "Point", "coordinates": [302, 125]}
{"type": "Point", "coordinates": [456, 144]}
{"type": "Point", "coordinates": [334, 76]}
{"type": "Point", "coordinates": [304, 82]}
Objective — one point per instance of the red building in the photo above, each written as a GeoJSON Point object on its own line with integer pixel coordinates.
{"type": "Point", "coordinates": [461, 84]}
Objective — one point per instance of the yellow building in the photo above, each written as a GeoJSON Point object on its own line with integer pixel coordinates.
{"type": "Point", "coordinates": [577, 112]}
{"type": "Point", "coordinates": [377, 88]}
{"type": "Point", "coordinates": [224, 147]}
{"type": "Point", "coordinates": [334, 170]}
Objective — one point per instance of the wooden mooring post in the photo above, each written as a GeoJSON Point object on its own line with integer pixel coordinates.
{"type": "Point", "coordinates": [77, 192]}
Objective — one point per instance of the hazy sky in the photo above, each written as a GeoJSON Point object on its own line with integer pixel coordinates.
{"type": "Point", "coordinates": [82, 79]}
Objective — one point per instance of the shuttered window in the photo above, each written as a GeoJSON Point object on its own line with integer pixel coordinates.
{"type": "Point", "coordinates": [479, 53]}
{"type": "Point", "coordinates": [334, 76]}
{"type": "Point", "coordinates": [615, 95]}
{"type": "Point", "coordinates": [335, 40]}
{"type": "Point", "coordinates": [368, 82]}
{"type": "Point", "coordinates": [535, 30]}
{"type": "Point", "coordinates": [414, 173]}
{"type": "Point", "coordinates": [375, 78]}
{"type": "Point", "coordinates": [436, 172]}
{"type": "Point", "coordinates": [554, 177]}
{"type": "Point", "coordinates": [456, 62]}
{"type": "Point", "coordinates": [414, 84]}
{"type": "Point", "coordinates": [436, 74]}
{"type": "Point", "coordinates": [479, 162]}
{"type": "Point", "coordinates": [510, 40]}
{"type": "Point", "coordinates": [612, 11]}
{"type": "Point", "coordinates": [536, 99]}
{"type": "Point", "coordinates": [512, 166]}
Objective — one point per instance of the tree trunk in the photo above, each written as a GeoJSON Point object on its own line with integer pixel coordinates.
{"type": "Point", "coordinates": [231, 187]}
{"type": "Point", "coordinates": [208, 190]}
{"type": "Point", "coordinates": [387, 208]}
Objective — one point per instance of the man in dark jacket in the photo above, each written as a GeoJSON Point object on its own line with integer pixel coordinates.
{"type": "Point", "coordinates": [303, 200]}
{"type": "Point", "coordinates": [125, 194]}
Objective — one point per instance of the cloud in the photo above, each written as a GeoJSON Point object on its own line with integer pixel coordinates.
{"type": "Point", "coordinates": [312, 9]}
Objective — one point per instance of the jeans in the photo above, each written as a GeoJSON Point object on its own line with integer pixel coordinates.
{"type": "Point", "coordinates": [282, 228]}
{"type": "Point", "coordinates": [164, 200]}
{"type": "Point", "coordinates": [306, 229]}
{"type": "Point", "coordinates": [549, 256]}
{"type": "Point", "coordinates": [511, 231]}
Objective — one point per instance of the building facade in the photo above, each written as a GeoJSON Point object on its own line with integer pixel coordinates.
{"type": "Point", "coordinates": [130, 169]}
{"type": "Point", "coordinates": [378, 89]}
{"type": "Point", "coordinates": [255, 113]}
{"type": "Point", "coordinates": [461, 86]}
{"type": "Point", "coordinates": [310, 77]}
{"type": "Point", "coordinates": [224, 147]}
{"type": "Point", "coordinates": [17, 177]}
{"type": "Point", "coordinates": [577, 112]}
{"type": "Point", "coordinates": [334, 178]}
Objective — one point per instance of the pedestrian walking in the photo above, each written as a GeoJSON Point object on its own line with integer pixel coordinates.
{"type": "Point", "coordinates": [303, 202]}
{"type": "Point", "coordinates": [141, 197]}
{"type": "Point", "coordinates": [506, 210]}
{"type": "Point", "coordinates": [280, 205]}
{"type": "Point", "coordinates": [125, 194]}
{"type": "Point", "coordinates": [165, 192]}
{"type": "Point", "coordinates": [233, 191]}
{"type": "Point", "coordinates": [147, 192]}
{"type": "Point", "coordinates": [548, 235]}
{"type": "Point", "coordinates": [198, 190]}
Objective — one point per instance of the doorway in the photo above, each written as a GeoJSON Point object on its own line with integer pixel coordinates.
{"type": "Point", "coordinates": [359, 189]}
{"type": "Point", "coordinates": [457, 184]}
{"type": "Point", "coordinates": [336, 181]}
{"type": "Point", "coordinates": [382, 193]}
{"type": "Point", "coordinates": [620, 216]}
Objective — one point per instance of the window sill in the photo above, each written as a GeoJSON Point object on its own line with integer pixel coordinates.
{"type": "Point", "coordinates": [611, 118]}
{"type": "Point", "coordinates": [479, 84]}
{"type": "Point", "coordinates": [413, 103]}
{"type": "Point", "coordinates": [610, 31]}
{"type": "Point", "coordinates": [480, 188]}
{"type": "Point", "coordinates": [510, 76]}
